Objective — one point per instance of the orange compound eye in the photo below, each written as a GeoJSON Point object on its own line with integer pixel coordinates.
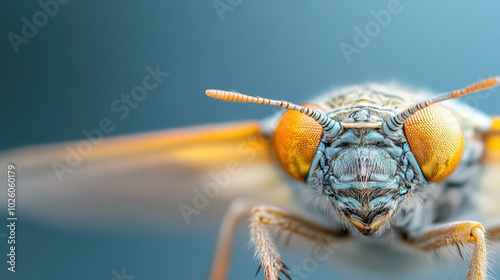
{"type": "Point", "coordinates": [436, 140]}
{"type": "Point", "coordinates": [296, 141]}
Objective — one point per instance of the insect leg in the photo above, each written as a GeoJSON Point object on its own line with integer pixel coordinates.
{"type": "Point", "coordinates": [454, 234]}
{"type": "Point", "coordinates": [238, 211]}
{"type": "Point", "coordinates": [264, 217]}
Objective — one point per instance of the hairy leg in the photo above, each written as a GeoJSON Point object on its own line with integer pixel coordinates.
{"type": "Point", "coordinates": [454, 234]}
{"type": "Point", "coordinates": [238, 211]}
{"type": "Point", "coordinates": [264, 217]}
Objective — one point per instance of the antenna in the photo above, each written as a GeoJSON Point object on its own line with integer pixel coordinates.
{"type": "Point", "coordinates": [330, 126]}
{"type": "Point", "coordinates": [392, 125]}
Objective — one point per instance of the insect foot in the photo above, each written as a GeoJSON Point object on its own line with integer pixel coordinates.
{"type": "Point", "coordinates": [454, 234]}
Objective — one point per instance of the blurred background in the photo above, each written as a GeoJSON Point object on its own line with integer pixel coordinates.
{"type": "Point", "coordinates": [64, 64]}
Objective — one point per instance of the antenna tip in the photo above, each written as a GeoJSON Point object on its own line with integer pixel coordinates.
{"type": "Point", "coordinates": [210, 92]}
{"type": "Point", "coordinates": [222, 95]}
{"type": "Point", "coordinates": [488, 83]}
{"type": "Point", "coordinates": [217, 94]}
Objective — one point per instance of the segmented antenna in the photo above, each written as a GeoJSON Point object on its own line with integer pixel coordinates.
{"type": "Point", "coordinates": [330, 126]}
{"type": "Point", "coordinates": [392, 125]}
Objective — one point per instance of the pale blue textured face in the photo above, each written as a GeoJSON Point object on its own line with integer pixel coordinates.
{"type": "Point", "coordinates": [366, 176]}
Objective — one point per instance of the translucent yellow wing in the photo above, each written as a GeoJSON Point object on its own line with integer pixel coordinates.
{"type": "Point", "coordinates": [174, 175]}
{"type": "Point", "coordinates": [489, 199]}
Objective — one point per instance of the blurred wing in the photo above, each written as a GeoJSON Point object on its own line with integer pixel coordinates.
{"type": "Point", "coordinates": [490, 185]}
{"type": "Point", "coordinates": [161, 176]}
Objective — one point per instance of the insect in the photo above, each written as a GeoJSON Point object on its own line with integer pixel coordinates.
{"type": "Point", "coordinates": [381, 164]}
{"type": "Point", "coordinates": [366, 163]}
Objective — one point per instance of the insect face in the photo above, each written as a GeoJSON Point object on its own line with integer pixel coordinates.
{"type": "Point", "coordinates": [369, 163]}
{"type": "Point", "coordinates": [365, 174]}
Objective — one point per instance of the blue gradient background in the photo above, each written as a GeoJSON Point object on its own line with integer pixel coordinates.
{"type": "Point", "coordinates": [66, 77]}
